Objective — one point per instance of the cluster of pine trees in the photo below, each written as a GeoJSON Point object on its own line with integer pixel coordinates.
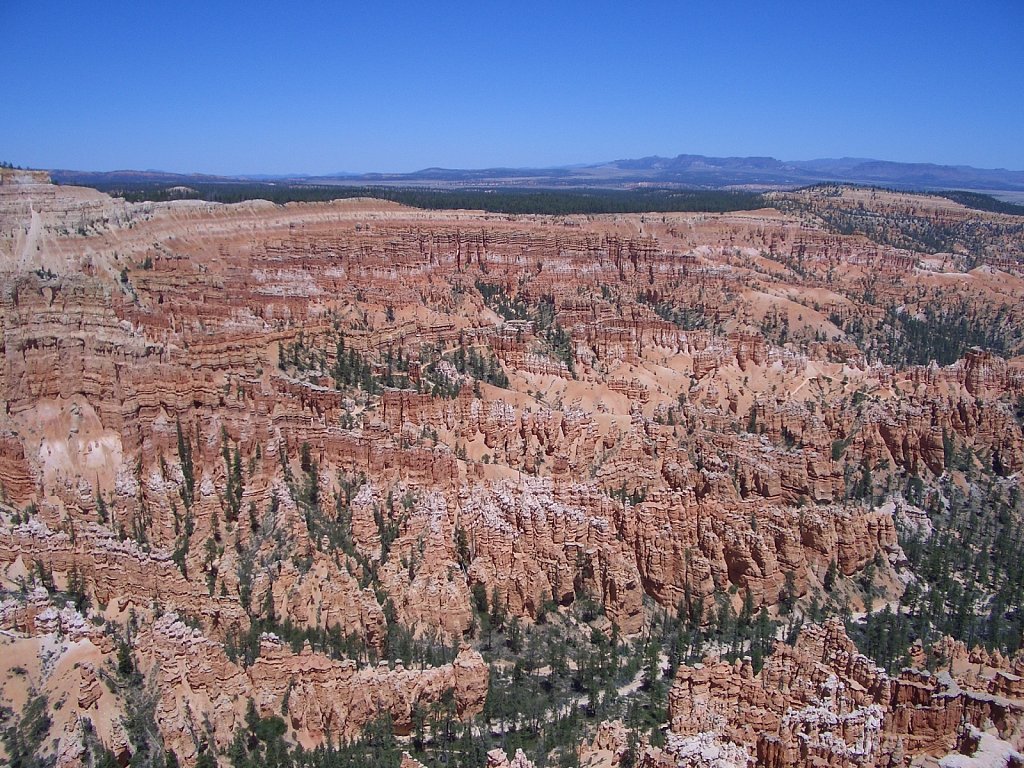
{"type": "Point", "coordinates": [970, 570]}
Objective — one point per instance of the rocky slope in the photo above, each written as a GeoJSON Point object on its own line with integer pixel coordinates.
{"type": "Point", "coordinates": [820, 702]}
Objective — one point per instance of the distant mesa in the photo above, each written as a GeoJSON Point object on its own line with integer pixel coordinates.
{"type": "Point", "coordinates": [759, 173]}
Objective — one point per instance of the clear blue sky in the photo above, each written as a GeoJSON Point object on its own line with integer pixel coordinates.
{"type": "Point", "coordinates": [280, 87]}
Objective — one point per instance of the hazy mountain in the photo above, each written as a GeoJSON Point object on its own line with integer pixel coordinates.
{"type": "Point", "coordinates": [702, 171]}
{"type": "Point", "coordinates": [682, 170]}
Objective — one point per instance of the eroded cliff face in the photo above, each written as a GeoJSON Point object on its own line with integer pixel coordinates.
{"type": "Point", "coordinates": [353, 415]}
{"type": "Point", "coordinates": [320, 699]}
{"type": "Point", "coordinates": [820, 702]}
{"type": "Point", "coordinates": [199, 696]}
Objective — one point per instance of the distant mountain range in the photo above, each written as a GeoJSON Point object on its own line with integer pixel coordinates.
{"type": "Point", "coordinates": [682, 171]}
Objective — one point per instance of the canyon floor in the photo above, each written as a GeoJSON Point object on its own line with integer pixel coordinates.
{"type": "Point", "coordinates": [326, 483]}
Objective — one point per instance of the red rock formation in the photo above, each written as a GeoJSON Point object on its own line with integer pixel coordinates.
{"type": "Point", "coordinates": [822, 703]}
{"type": "Point", "coordinates": [689, 449]}
{"type": "Point", "coordinates": [16, 481]}
{"type": "Point", "coordinates": [322, 698]}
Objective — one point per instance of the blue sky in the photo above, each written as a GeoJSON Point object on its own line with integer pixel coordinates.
{"type": "Point", "coordinates": [251, 87]}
